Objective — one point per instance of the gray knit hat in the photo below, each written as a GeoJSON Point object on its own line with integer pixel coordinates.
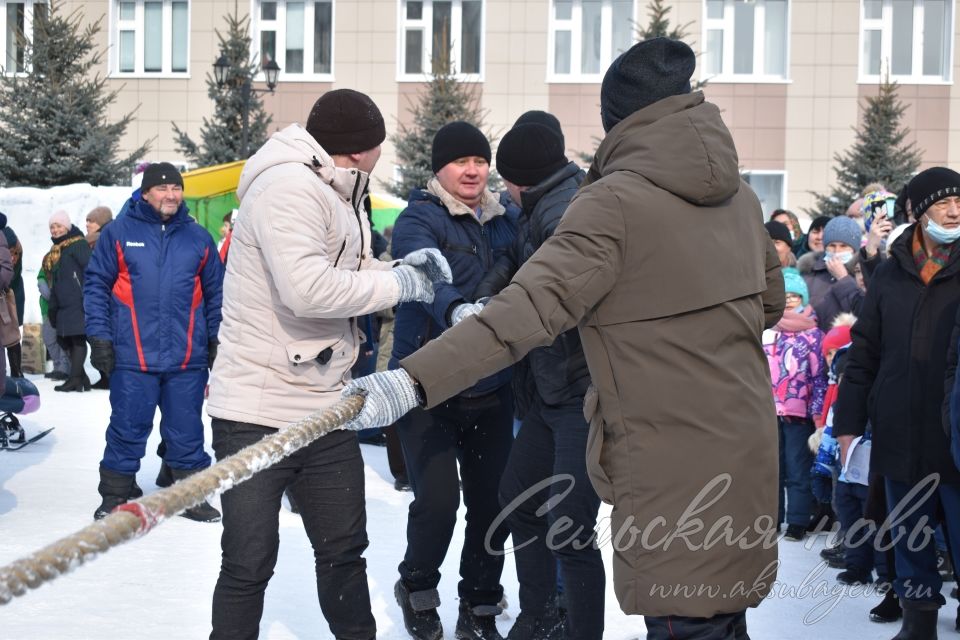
{"type": "Point", "coordinates": [845, 230]}
{"type": "Point", "coordinates": [645, 73]}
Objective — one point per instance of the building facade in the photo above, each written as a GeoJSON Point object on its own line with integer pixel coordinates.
{"type": "Point", "coordinates": [789, 75]}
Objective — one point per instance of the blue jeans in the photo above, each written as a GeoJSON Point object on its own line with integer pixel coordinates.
{"type": "Point", "coordinates": [860, 549]}
{"type": "Point", "coordinates": [551, 445]}
{"type": "Point", "coordinates": [795, 461]}
{"type": "Point", "coordinates": [326, 479]}
{"type": "Point", "coordinates": [134, 398]}
{"type": "Point", "coordinates": [916, 559]}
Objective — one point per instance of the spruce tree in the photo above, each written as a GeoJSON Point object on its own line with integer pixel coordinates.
{"type": "Point", "coordinates": [659, 25]}
{"type": "Point", "coordinates": [53, 118]}
{"type": "Point", "coordinates": [878, 154]}
{"type": "Point", "coordinates": [221, 136]}
{"type": "Point", "coordinates": [445, 100]}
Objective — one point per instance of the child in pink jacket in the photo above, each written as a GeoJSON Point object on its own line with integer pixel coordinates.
{"type": "Point", "coordinates": [798, 374]}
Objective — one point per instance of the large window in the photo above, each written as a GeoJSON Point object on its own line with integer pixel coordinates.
{"type": "Point", "coordinates": [151, 36]}
{"type": "Point", "coordinates": [586, 36]}
{"type": "Point", "coordinates": [770, 187]}
{"type": "Point", "coordinates": [298, 35]}
{"type": "Point", "coordinates": [909, 40]}
{"type": "Point", "coordinates": [746, 40]}
{"type": "Point", "coordinates": [431, 30]}
{"type": "Point", "coordinates": [16, 19]}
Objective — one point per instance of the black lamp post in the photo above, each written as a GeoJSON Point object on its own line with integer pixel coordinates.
{"type": "Point", "coordinates": [271, 70]}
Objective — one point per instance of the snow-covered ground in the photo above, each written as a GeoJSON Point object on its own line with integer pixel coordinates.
{"type": "Point", "coordinates": [159, 587]}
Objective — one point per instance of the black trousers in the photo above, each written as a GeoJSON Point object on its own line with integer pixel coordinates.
{"type": "Point", "coordinates": [477, 433]}
{"type": "Point", "coordinates": [327, 482]}
{"type": "Point", "coordinates": [729, 626]}
{"type": "Point", "coordinates": [550, 453]}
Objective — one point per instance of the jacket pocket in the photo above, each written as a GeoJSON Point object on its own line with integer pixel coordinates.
{"type": "Point", "coordinates": [316, 350]}
{"type": "Point", "coordinates": [598, 476]}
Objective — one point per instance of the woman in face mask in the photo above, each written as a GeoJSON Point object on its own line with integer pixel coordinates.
{"type": "Point", "coordinates": [832, 289]}
{"type": "Point", "coordinates": [896, 373]}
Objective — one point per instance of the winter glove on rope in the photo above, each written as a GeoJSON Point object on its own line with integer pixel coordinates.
{"type": "Point", "coordinates": [388, 395]}
{"type": "Point", "coordinates": [464, 310]}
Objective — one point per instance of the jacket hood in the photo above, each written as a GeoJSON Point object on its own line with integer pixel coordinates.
{"type": "Point", "coordinates": [680, 144]}
{"type": "Point", "coordinates": [810, 262]}
{"type": "Point", "coordinates": [531, 196]}
{"type": "Point", "coordinates": [294, 145]}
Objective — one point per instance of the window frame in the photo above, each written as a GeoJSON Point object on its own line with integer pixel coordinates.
{"type": "Point", "coordinates": [726, 24]}
{"type": "Point", "coordinates": [885, 24]}
{"type": "Point", "coordinates": [575, 25]}
{"type": "Point", "coordinates": [784, 190]}
{"type": "Point", "coordinates": [27, 29]}
{"type": "Point", "coordinates": [425, 24]}
{"type": "Point", "coordinates": [281, 41]}
{"type": "Point", "coordinates": [166, 53]}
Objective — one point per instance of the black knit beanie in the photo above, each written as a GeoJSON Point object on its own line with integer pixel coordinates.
{"type": "Point", "coordinates": [818, 223]}
{"type": "Point", "coordinates": [529, 154]}
{"type": "Point", "coordinates": [345, 121]}
{"type": "Point", "coordinates": [458, 140]}
{"type": "Point", "coordinates": [645, 73]}
{"type": "Point", "coordinates": [542, 117]}
{"type": "Point", "coordinates": [930, 186]}
{"type": "Point", "coordinates": [778, 231]}
{"type": "Point", "coordinates": [160, 173]}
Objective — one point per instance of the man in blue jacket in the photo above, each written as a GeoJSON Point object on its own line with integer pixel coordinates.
{"type": "Point", "coordinates": [152, 303]}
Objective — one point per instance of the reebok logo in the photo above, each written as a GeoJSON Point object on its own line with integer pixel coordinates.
{"type": "Point", "coordinates": [135, 244]}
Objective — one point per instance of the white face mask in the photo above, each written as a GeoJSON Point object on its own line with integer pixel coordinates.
{"type": "Point", "coordinates": [941, 235]}
{"type": "Point", "coordinates": [843, 256]}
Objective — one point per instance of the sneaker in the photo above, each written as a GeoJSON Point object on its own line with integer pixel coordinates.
{"type": "Point", "coordinates": [887, 611]}
{"type": "Point", "coordinates": [419, 609]}
{"type": "Point", "coordinates": [830, 553]}
{"type": "Point", "coordinates": [855, 576]}
{"type": "Point", "coordinates": [546, 626]}
{"type": "Point", "coordinates": [795, 532]}
{"type": "Point", "coordinates": [203, 512]}
{"type": "Point", "coordinates": [478, 622]}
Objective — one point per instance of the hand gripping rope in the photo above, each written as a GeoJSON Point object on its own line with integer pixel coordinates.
{"type": "Point", "coordinates": [138, 517]}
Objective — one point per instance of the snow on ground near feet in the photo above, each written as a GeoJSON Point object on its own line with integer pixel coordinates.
{"type": "Point", "coordinates": [160, 586]}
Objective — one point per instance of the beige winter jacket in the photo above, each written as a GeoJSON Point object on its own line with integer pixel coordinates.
{"type": "Point", "coordinates": [300, 269]}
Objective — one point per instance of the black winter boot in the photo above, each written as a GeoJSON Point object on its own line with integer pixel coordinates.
{"type": "Point", "coordinates": [548, 625]}
{"type": "Point", "coordinates": [103, 383]}
{"type": "Point", "coordinates": [115, 489]}
{"type": "Point", "coordinates": [72, 384]}
{"type": "Point", "coordinates": [135, 491]}
{"type": "Point", "coordinates": [419, 609]}
{"type": "Point", "coordinates": [164, 476]}
{"type": "Point", "coordinates": [203, 512]}
{"type": "Point", "coordinates": [888, 610]}
{"type": "Point", "coordinates": [15, 359]}
{"type": "Point", "coordinates": [919, 621]}
{"type": "Point", "coordinates": [478, 622]}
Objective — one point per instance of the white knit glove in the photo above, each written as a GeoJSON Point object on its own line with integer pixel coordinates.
{"type": "Point", "coordinates": [388, 396]}
{"type": "Point", "coordinates": [431, 262]}
{"type": "Point", "coordinates": [464, 310]}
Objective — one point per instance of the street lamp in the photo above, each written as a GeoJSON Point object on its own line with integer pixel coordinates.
{"type": "Point", "coordinates": [272, 72]}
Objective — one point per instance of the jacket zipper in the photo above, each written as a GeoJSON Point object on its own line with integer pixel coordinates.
{"type": "Point", "coordinates": [77, 280]}
{"type": "Point", "coordinates": [356, 211]}
{"type": "Point", "coordinates": [342, 247]}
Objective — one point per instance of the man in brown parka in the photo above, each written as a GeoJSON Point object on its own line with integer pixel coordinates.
{"type": "Point", "coordinates": [663, 262]}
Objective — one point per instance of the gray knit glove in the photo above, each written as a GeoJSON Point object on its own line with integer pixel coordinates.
{"type": "Point", "coordinates": [431, 262]}
{"type": "Point", "coordinates": [464, 310]}
{"type": "Point", "coordinates": [389, 395]}
{"type": "Point", "coordinates": [419, 272]}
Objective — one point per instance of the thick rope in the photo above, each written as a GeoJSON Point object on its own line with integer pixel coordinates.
{"type": "Point", "coordinates": [136, 518]}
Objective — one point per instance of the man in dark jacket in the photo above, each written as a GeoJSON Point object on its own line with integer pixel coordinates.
{"type": "Point", "coordinates": [553, 438]}
{"type": "Point", "coordinates": [152, 302]}
{"type": "Point", "coordinates": [671, 321]}
{"type": "Point", "coordinates": [895, 379]}
{"type": "Point", "coordinates": [460, 216]}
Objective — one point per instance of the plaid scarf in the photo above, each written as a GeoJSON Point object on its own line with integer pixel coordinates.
{"type": "Point", "coordinates": [929, 265]}
{"type": "Point", "coordinates": [52, 259]}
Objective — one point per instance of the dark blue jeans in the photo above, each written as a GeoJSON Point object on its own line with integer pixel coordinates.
{"type": "Point", "coordinates": [860, 550]}
{"type": "Point", "coordinates": [326, 479]}
{"type": "Point", "coordinates": [729, 626]}
{"type": "Point", "coordinates": [916, 558]}
{"type": "Point", "coordinates": [795, 461]}
{"type": "Point", "coordinates": [552, 444]}
{"type": "Point", "coordinates": [477, 433]}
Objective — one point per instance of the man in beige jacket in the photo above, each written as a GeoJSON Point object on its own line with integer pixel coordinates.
{"type": "Point", "coordinates": [299, 273]}
{"type": "Point", "coordinates": [683, 439]}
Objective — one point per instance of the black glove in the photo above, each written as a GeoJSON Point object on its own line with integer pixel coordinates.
{"type": "Point", "coordinates": [101, 355]}
{"type": "Point", "coordinates": [211, 353]}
